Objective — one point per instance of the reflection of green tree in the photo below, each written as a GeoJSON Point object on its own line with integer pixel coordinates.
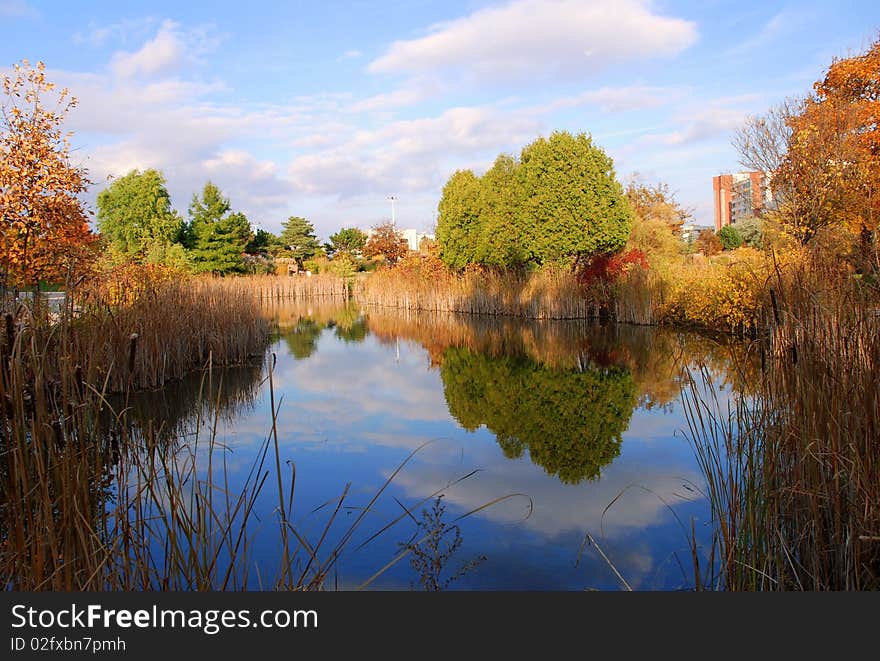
{"type": "Point", "coordinates": [350, 325]}
{"type": "Point", "coordinates": [302, 339]}
{"type": "Point", "coordinates": [355, 332]}
{"type": "Point", "coordinates": [571, 421]}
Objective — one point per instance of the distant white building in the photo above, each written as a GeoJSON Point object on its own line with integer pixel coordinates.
{"type": "Point", "coordinates": [689, 231]}
{"type": "Point", "coordinates": [414, 237]}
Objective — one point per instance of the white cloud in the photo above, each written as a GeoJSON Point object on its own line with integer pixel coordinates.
{"type": "Point", "coordinates": [405, 96]}
{"type": "Point", "coordinates": [169, 50]}
{"type": "Point", "coordinates": [708, 120]}
{"type": "Point", "coordinates": [121, 31]}
{"type": "Point", "coordinates": [546, 38]}
{"type": "Point", "coordinates": [618, 99]}
{"type": "Point", "coordinates": [413, 155]}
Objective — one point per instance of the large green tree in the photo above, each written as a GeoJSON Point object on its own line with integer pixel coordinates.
{"type": "Point", "coordinates": [559, 202]}
{"type": "Point", "coordinates": [502, 222]}
{"type": "Point", "coordinates": [574, 205]}
{"type": "Point", "coordinates": [136, 217]}
{"type": "Point", "coordinates": [458, 221]}
{"type": "Point", "coordinates": [217, 237]}
{"type": "Point", "coordinates": [298, 239]}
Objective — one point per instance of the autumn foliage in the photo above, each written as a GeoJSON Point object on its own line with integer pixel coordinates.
{"type": "Point", "coordinates": [385, 241]}
{"type": "Point", "coordinates": [45, 233]}
{"type": "Point", "coordinates": [830, 173]}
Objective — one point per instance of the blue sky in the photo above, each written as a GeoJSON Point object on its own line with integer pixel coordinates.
{"type": "Point", "coordinates": [324, 109]}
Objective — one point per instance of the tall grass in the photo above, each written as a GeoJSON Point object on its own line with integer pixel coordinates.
{"type": "Point", "coordinates": [543, 294]}
{"type": "Point", "coordinates": [73, 465]}
{"type": "Point", "coordinates": [167, 330]}
{"type": "Point", "coordinates": [266, 288]}
{"type": "Point", "coordinates": [95, 494]}
{"type": "Point", "coordinates": [793, 471]}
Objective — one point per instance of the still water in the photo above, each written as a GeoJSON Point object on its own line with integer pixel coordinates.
{"type": "Point", "coordinates": [536, 433]}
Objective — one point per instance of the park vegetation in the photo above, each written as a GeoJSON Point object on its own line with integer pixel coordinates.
{"type": "Point", "coordinates": [548, 233]}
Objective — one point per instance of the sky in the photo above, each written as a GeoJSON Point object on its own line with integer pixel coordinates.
{"type": "Point", "coordinates": [326, 109]}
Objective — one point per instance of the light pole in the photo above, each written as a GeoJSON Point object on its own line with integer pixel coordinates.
{"type": "Point", "coordinates": [392, 199]}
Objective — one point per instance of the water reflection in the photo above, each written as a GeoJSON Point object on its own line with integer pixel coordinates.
{"type": "Point", "coordinates": [576, 415]}
{"type": "Point", "coordinates": [173, 413]}
{"type": "Point", "coordinates": [569, 420]}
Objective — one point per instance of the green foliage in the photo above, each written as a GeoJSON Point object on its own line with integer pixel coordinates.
{"type": "Point", "coordinates": [261, 243]}
{"type": "Point", "coordinates": [348, 239]}
{"type": "Point", "coordinates": [343, 265]}
{"type": "Point", "coordinates": [136, 218]}
{"type": "Point", "coordinates": [730, 238]}
{"type": "Point", "coordinates": [302, 339]}
{"type": "Point", "coordinates": [559, 201]}
{"type": "Point", "coordinates": [458, 222]}
{"type": "Point", "coordinates": [574, 204]}
{"type": "Point", "coordinates": [751, 230]}
{"type": "Point", "coordinates": [216, 236]}
{"type": "Point", "coordinates": [571, 421]}
{"type": "Point", "coordinates": [502, 221]}
{"type": "Point", "coordinates": [298, 239]}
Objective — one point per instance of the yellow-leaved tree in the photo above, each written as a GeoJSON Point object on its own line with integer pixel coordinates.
{"type": "Point", "coordinates": [44, 234]}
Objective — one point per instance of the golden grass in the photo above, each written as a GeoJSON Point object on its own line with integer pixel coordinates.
{"type": "Point", "coordinates": [422, 284]}
{"type": "Point", "coordinates": [792, 471]}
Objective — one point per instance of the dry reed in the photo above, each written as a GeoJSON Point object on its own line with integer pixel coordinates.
{"type": "Point", "coordinates": [792, 471]}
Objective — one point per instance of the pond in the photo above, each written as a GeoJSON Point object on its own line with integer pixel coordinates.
{"type": "Point", "coordinates": [533, 434]}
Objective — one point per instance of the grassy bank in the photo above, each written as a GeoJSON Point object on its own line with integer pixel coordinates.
{"type": "Point", "coordinates": [424, 283]}
{"type": "Point", "coordinates": [89, 494]}
{"type": "Point", "coordinates": [792, 471]}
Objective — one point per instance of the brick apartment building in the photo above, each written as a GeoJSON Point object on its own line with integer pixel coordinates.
{"type": "Point", "coordinates": [740, 195]}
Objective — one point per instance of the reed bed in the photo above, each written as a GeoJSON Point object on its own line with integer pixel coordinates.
{"type": "Point", "coordinates": [168, 330]}
{"type": "Point", "coordinates": [793, 471]}
{"type": "Point", "coordinates": [265, 288]}
{"type": "Point", "coordinates": [543, 294]}
{"type": "Point", "coordinates": [104, 491]}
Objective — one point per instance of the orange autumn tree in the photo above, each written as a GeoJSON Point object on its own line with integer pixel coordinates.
{"type": "Point", "coordinates": [830, 175]}
{"type": "Point", "coordinates": [44, 234]}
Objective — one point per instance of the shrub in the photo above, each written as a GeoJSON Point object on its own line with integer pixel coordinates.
{"type": "Point", "coordinates": [730, 238]}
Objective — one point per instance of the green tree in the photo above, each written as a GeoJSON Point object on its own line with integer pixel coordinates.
{"type": "Point", "coordinates": [261, 243]}
{"type": "Point", "coordinates": [136, 217]}
{"type": "Point", "coordinates": [574, 204]}
{"type": "Point", "coordinates": [559, 202]}
{"type": "Point", "coordinates": [751, 230]}
{"type": "Point", "coordinates": [298, 239]}
{"type": "Point", "coordinates": [570, 421]}
{"type": "Point", "coordinates": [502, 227]}
{"type": "Point", "coordinates": [458, 220]}
{"type": "Point", "coordinates": [217, 237]}
{"type": "Point", "coordinates": [730, 238]}
{"type": "Point", "coordinates": [348, 240]}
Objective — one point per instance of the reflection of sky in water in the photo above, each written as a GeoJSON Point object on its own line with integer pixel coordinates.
{"type": "Point", "coordinates": [351, 412]}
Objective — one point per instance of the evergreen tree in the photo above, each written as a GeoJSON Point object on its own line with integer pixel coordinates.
{"type": "Point", "coordinates": [299, 240]}
{"type": "Point", "coordinates": [458, 221]}
{"type": "Point", "coordinates": [560, 201]}
{"type": "Point", "coordinates": [216, 237]}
